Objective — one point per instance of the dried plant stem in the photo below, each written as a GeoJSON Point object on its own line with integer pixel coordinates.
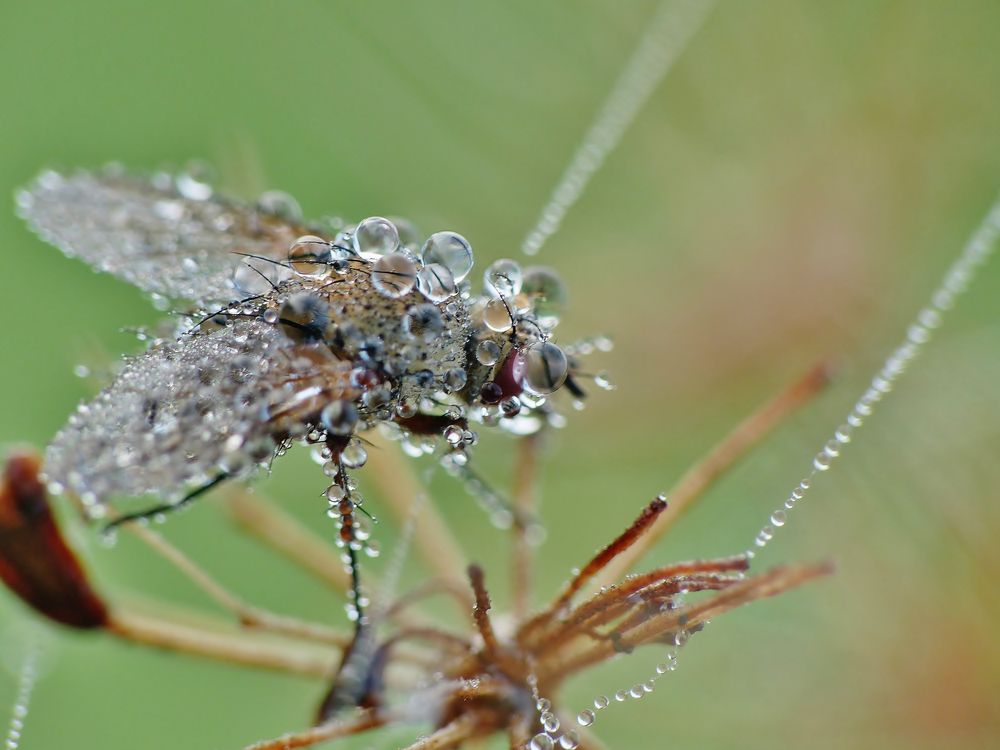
{"type": "Point", "coordinates": [459, 594]}
{"type": "Point", "coordinates": [615, 601]}
{"type": "Point", "coordinates": [233, 648]}
{"type": "Point", "coordinates": [525, 503]}
{"type": "Point", "coordinates": [330, 730]}
{"type": "Point", "coordinates": [700, 477]}
{"type": "Point", "coordinates": [397, 489]}
{"type": "Point", "coordinates": [284, 534]}
{"type": "Point", "coordinates": [248, 616]}
{"type": "Point", "coordinates": [568, 658]}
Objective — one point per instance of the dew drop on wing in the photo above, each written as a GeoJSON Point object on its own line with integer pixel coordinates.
{"type": "Point", "coordinates": [159, 428]}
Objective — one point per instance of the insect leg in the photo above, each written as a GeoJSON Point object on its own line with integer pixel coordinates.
{"type": "Point", "coordinates": [158, 510]}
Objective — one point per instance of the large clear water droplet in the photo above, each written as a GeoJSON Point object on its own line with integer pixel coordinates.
{"type": "Point", "coordinates": [488, 352]}
{"type": "Point", "coordinates": [309, 256]}
{"type": "Point", "coordinates": [394, 275]}
{"type": "Point", "coordinates": [436, 282]}
{"type": "Point", "coordinates": [503, 278]}
{"type": "Point", "coordinates": [375, 235]}
{"type": "Point", "coordinates": [450, 250]}
{"type": "Point", "coordinates": [547, 292]}
{"type": "Point", "coordinates": [546, 368]}
{"type": "Point", "coordinates": [497, 317]}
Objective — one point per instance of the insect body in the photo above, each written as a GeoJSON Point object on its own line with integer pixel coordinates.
{"type": "Point", "coordinates": [294, 337]}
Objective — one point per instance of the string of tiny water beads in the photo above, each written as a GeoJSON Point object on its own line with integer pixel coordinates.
{"type": "Point", "coordinates": [669, 31]}
{"type": "Point", "coordinates": [27, 678]}
{"type": "Point", "coordinates": [980, 246]}
{"type": "Point", "coordinates": [956, 281]}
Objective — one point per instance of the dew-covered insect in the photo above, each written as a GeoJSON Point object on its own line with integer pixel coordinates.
{"type": "Point", "coordinates": [298, 332]}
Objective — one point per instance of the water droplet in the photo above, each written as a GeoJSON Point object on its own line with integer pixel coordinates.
{"type": "Point", "coordinates": [454, 379]}
{"type": "Point", "coordinates": [423, 321]}
{"type": "Point", "coordinates": [668, 666]}
{"type": "Point", "coordinates": [309, 255]}
{"type": "Point", "coordinates": [280, 204]}
{"type": "Point", "coordinates": [621, 696]}
{"type": "Point", "coordinates": [546, 368]}
{"type": "Point", "coordinates": [778, 518]}
{"type": "Point", "coordinates": [453, 436]}
{"type": "Point", "coordinates": [490, 393]}
{"type": "Point", "coordinates": [436, 282]}
{"type": "Point", "coordinates": [253, 278]}
{"type": "Point", "coordinates": [335, 493]}
{"type": "Point", "coordinates": [450, 250]}
{"type": "Point", "coordinates": [394, 275]}
{"type": "Point", "coordinates": [586, 717]}
{"type": "Point", "coordinates": [550, 722]}
{"type": "Point", "coordinates": [541, 741]}
{"type": "Point", "coordinates": [601, 701]}
{"type": "Point", "coordinates": [510, 407]}
{"type": "Point", "coordinates": [503, 278]}
{"type": "Point", "coordinates": [547, 293]}
{"type": "Point", "coordinates": [496, 316]}
{"type": "Point", "coordinates": [354, 456]}
{"type": "Point", "coordinates": [636, 691]}
{"type": "Point", "coordinates": [821, 462]}
{"type": "Point", "coordinates": [375, 235]}
{"type": "Point", "coordinates": [832, 449]}
{"type": "Point", "coordinates": [569, 741]}
{"type": "Point", "coordinates": [488, 352]}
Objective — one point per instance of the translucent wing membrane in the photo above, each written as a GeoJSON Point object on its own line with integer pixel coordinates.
{"type": "Point", "coordinates": [169, 236]}
{"type": "Point", "coordinates": [189, 410]}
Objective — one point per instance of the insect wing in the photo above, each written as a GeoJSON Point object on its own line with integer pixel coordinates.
{"type": "Point", "coordinates": [168, 236]}
{"type": "Point", "coordinates": [190, 410]}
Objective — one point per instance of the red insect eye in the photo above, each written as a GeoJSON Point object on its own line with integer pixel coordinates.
{"type": "Point", "coordinates": [510, 376]}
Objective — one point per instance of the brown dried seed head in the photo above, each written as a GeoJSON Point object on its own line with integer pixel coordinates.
{"type": "Point", "coordinates": [35, 560]}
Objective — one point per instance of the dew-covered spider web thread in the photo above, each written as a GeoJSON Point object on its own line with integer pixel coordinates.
{"type": "Point", "coordinates": [980, 246]}
{"type": "Point", "coordinates": [26, 679]}
{"type": "Point", "coordinates": [667, 36]}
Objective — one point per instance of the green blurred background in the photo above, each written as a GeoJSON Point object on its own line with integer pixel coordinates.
{"type": "Point", "coordinates": [792, 192]}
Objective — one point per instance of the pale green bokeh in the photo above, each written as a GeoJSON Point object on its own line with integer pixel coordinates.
{"type": "Point", "coordinates": [792, 192]}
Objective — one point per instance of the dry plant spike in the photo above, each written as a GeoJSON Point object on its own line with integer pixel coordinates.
{"type": "Point", "coordinates": [227, 647]}
{"type": "Point", "coordinates": [488, 684]}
